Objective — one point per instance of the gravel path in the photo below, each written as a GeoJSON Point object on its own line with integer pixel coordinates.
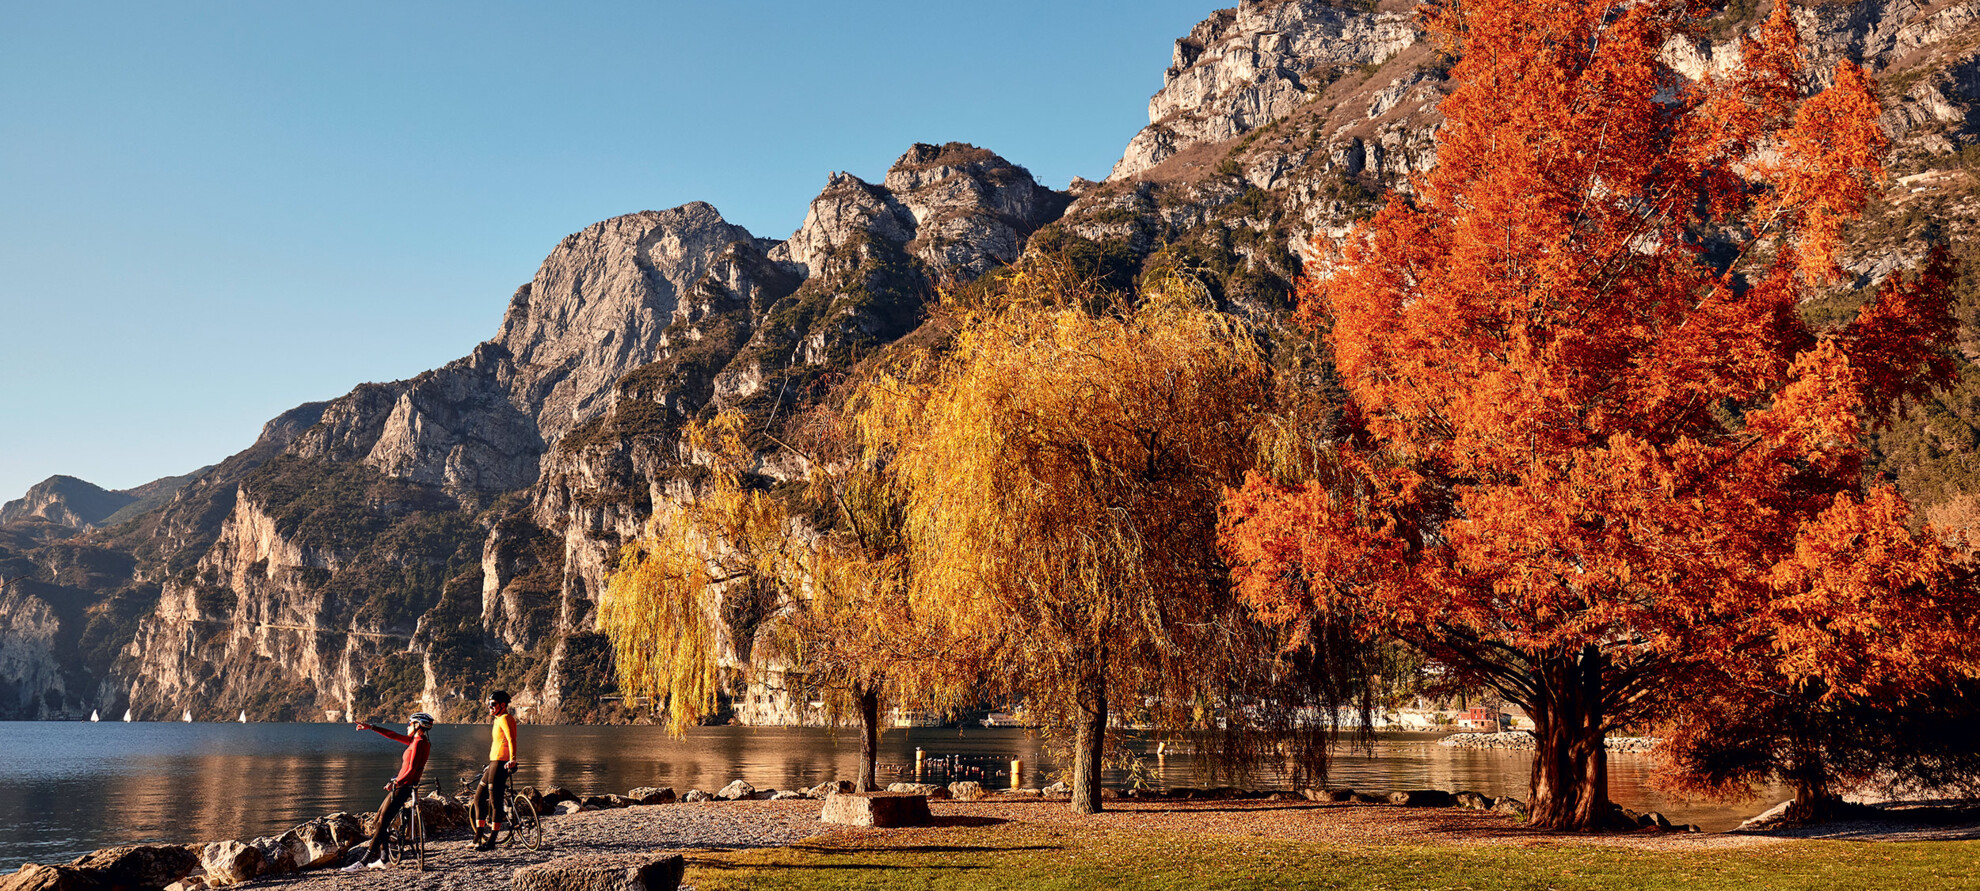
{"type": "Point", "coordinates": [453, 865]}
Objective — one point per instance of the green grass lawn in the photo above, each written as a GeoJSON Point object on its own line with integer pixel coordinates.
{"type": "Point", "coordinates": [1027, 856]}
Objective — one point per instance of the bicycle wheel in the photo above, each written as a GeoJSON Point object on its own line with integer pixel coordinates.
{"type": "Point", "coordinates": [524, 826]}
{"type": "Point", "coordinates": [395, 841]}
{"type": "Point", "coordinates": [416, 833]}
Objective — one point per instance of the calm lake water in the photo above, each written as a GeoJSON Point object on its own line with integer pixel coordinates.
{"type": "Point", "coordinates": [67, 788]}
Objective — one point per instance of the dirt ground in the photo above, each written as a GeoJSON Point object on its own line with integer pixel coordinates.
{"type": "Point", "coordinates": [453, 866]}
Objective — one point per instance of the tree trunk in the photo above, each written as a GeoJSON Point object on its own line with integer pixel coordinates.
{"type": "Point", "coordinates": [1807, 774]}
{"type": "Point", "coordinates": [1570, 762]}
{"type": "Point", "coordinates": [869, 738]}
{"type": "Point", "coordinates": [1090, 729]}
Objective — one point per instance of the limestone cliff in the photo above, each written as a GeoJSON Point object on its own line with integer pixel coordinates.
{"type": "Point", "coordinates": [597, 307]}
{"type": "Point", "coordinates": [1244, 68]}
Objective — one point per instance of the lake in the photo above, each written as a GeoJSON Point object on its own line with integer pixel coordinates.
{"type": "Point", "coordinates": [67, 788]}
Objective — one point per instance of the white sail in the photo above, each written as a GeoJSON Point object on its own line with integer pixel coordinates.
{"type": "Point", "coordinates": [94, 717]}
{"type": "Point", "coordinates": [244, 717]}
{"type": "Point", "coordinates": [127, 716]}
{"type": "Point", "coordinates": [187, 717]}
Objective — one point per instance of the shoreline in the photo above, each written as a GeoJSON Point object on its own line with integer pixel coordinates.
{"type": "Point", "coordinates": [605, 825]}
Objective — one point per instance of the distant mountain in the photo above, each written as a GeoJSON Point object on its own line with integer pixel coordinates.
{"type": "Point", "coordinates": [79, 504]}
{"type": "Point", "coordinates": [419, 541]}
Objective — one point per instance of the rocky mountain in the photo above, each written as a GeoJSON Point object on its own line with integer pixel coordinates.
{"type": "Point", "coordinates": [78, 504]}
{"type": "Point", "coordinates": [416, 542]}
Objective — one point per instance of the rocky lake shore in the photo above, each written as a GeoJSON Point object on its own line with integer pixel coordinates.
{"type": "Point", "coordinates": [648, 821]}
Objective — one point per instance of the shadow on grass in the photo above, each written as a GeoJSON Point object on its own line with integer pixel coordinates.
{"type": "Point", "coordinates": [809, 867]}
{"type": "Point", "coordinates": [953, 821]}
{"type": "Point", "coordinates": [1227, 809]}
{"type": "Point", "coordinates": [922, 849]}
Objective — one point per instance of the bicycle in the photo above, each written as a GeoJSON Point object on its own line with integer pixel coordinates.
{"type": "Point", "coordinates": [524, 828]}
{"type": "Point", "coordinates": [406, 842]}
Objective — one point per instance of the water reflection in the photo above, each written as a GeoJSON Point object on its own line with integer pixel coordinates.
{"type": "Point", "coordinates": [75, 787]}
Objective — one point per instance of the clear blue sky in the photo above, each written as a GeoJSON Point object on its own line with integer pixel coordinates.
{"type": "Point", "coordinates": [211, 212]}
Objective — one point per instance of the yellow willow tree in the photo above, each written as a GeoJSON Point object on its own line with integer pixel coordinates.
{"type": "Point", "coordinates": [821, 566]}
{"type": "Point", "coordinates": [726, 555]}
{"type": "Point", "coordinates": [851, 627]}
{"type": "Point", "coordinates": [1061, 465]}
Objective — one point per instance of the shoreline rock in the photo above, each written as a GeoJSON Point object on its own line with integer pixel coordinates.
{"type": "Point", "coordinates": [1522, 740]}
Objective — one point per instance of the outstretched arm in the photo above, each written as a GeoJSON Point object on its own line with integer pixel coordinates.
{"type": "Point", "coordinates": [384, 732]}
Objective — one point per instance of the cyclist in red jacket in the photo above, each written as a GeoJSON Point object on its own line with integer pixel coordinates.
{"type": "Point", "coordinates": [400, 789]}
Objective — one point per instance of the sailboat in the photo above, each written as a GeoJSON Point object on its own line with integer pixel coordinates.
{"type": "Point", "coordinates": [127, 716]}
{"type": "Point", "coordinates": [94, 717]}
{"type": "Point", "coordinates": [244, 716]}
{"type": "Point", "coordinates": [187, 717]}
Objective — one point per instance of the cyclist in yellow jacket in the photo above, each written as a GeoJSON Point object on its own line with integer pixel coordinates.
{"type": "Point", "coordinates": [501, 764]}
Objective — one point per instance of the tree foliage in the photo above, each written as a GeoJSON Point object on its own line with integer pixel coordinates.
{"type": "Point", "coordinates": [1593, 454]}
{"type": "Point", "coordinates": [1061, 464]}
{"type": "Point", "coordinates": [809, 580]}
{"type": "Point", "coordinates": [719, 559]}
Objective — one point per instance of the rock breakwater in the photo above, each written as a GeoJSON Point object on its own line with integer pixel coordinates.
{"type": "Point", "coordinates": [1523, 739]}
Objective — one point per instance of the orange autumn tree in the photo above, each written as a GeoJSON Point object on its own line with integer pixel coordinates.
{"type": "Point", "coordinates": [1593, 454]}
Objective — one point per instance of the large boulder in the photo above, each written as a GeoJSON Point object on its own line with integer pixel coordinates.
{"type": "Point", "coordinates": [928, 789]}
{"type": "Point", "coordinates": [884, 810]}
{"type": "Point", "coordinates": [696, 796]}
{"type": "Point", "coordinates": [736, 791]}
{"type": "Point", "coordinates": [311, 844]}
{"type": "Point", "coordinates": [967, 790]}
{"type": "Point", "coordinates": [556, 796]}
{"type": "Point", "coordinates": [36, 877]}
{"type": "Point", "coordinates": [830, 786]}
{"type": "Point", "coordinates": [1422, 798]}
{"type": "Point", "coordinates": [319, 842]}
{"type": "Point", "coordinates": [1513, 806]}
{"type": "Point", "coordinates": [649, 871]}
{"type": "Point", "coordinates": [651, 795]}
{"type": "Point", "coordinates": [230, 862]}
{"type": "Point", "coordinates": [277, 858]}
{"type": "Point", "coordinates": [1473, 801]}
{"type": "Point", "coordinates": [442, 814]}
{"type": "Point", "coordinates": [607, 802]}
{"type": "Point", "coordinates": [139, 866]}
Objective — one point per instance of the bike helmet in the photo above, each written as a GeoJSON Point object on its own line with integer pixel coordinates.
{"type": "Point", "coordinates": [421, 720]}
